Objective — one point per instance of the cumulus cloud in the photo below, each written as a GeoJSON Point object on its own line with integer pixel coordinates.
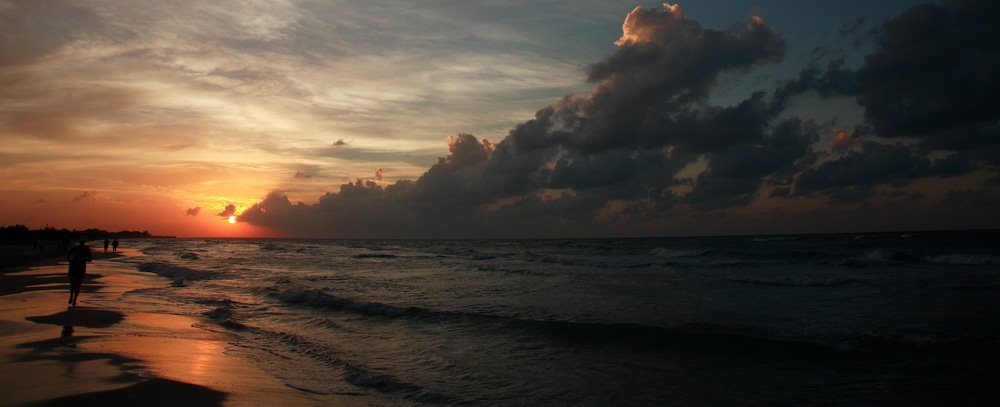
{"type": "Point", "coordinates": [926, 81]}
{"type": "Point", "coordinates": [193, 211]}
{"type": "Point", "coordinates": [643, 25]}
{"type": "Point", "coordinates": [650, 96]}
{"type": "Point", "coordinates": [930, 78]}
{"type": "Point", "coordinates": [230, 210]}
{"type": "Point", "coordinates": [876, 163]}
{"type": "Point", "coordinates": [378, 174]}
{"type": "Point", "coordinates": [647, 144]}
{"type": "Point", "coordinates": [85, 196]}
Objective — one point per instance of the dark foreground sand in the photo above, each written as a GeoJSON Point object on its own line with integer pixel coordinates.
{"type": "Point", "coordinates": [111, 349]}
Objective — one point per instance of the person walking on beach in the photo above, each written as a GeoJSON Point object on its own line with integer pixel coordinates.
{"type": "Point", "coordinates": [114, 245]}
{"type": "Point", "coordinates": [78, 258]}
{"type": "Point", "coordinates": [106, 243]}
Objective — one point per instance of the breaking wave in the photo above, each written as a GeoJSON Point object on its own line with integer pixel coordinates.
{"type": "Point", "coordinates": [179, 275]}
{"type": "Point", "coordinates": [317, 298]}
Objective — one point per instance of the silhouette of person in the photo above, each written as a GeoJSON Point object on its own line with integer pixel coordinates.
{"type": "Point", "coordinates": [78, 258]}
{"type": "Point", "coordinates": [106, 243]}
{"type": "Point", "coordinates": [114, 245]}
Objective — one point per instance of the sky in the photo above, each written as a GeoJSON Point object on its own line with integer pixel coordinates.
{"type": "Point", "coordinates": [496, 119]}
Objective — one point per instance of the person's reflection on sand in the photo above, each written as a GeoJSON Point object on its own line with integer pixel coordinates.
{"type": "Point", "coordinates": [67, 331]}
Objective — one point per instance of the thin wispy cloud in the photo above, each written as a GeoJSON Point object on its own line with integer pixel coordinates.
{"type": "Point", "coordinates": [188, 104]}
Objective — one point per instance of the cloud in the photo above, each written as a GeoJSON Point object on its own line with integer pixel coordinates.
{"type": "Point", "coordinates": [193, 211]}
{"type": "Point", "coordinates": [421, 158]}
{"type": "Point", "coordinates": [930, 78]}
{"type": "Point", "coordinates": [230, 210]}
{"type": "Point", "coordinates": [876, 163]}
{"type": "Point", "coordinates": [60, 115]}
{"type": "Point", "coordinates": [856, 31]}
{"type": "Point", "coordinates": [932, 75]}
{"type": "Point", "coordinates": [733, 176]}
{"type": "Point", "coordinates": [85, 196]}
{"type": "Point", "coordinates": [643, 25]}
{"type": "Point", "coordinates": [378, 174]}
{"type": "Point", "coordinates": [48, 24]}
{"type": "Point", "coordinates": [841, 140]}
{"type": "Point", "coordinates": [650, 95]}
{"type": "Point", "coordinates": [339, 143]}
{"type": "Point", "coordinates": [300, 174]}
{"type": "Point", "coordinates": [648, 147]}
{"type": "Point", "coordinates": [835, 80]}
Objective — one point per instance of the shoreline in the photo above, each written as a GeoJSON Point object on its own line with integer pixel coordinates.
{"type": "Point", "coordinates": [111, 349]}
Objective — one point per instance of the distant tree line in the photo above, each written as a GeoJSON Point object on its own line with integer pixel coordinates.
{"type": "Point", "coordinates": [21, 234]}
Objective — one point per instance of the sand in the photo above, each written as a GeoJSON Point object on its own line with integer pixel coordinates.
{"type": "Point", "coordinates": [109, 350]}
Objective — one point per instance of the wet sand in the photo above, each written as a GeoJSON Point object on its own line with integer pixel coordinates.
{"type": "Point", "coordinates": [110, 349]}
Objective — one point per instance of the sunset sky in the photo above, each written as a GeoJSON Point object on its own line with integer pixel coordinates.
{"type": "Point", "coordinates": [603, 118]}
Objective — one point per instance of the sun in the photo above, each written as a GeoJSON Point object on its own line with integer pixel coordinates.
{"type": "Point", "coordinates": [232, 219]}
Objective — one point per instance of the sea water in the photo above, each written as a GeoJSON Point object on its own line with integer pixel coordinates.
{"type": "Point", "coordinates": [891, 318]}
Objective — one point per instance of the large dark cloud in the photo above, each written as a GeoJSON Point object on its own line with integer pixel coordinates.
{"type": "Point", "coordinates": [932, 77]}
{"type": "Point", "coordinates": [935, 73]}
{"type": "Point", "coordinates": [647, 144]}
{"type": "Point", "coordinates": [929, 80]}
{"type": "Point", "coordinates": [858, 171]}
{"type": "Point", "coordinates": [733, 176]}
{"type": "Point", "coordinates": [652, 91]}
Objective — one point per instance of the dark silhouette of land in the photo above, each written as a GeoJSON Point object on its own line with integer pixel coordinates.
{"type": "Point", "coordinates": [21, 234]}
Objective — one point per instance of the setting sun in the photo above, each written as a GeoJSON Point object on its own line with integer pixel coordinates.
{"type": "Point", "coordinates": [232, 219]}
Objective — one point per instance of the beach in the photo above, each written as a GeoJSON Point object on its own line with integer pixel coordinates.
{"type": "Point", "coordinates": [112, 349]}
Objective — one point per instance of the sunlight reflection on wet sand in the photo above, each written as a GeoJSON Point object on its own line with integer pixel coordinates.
{"type": "Point", "coordinates": [96, 353]}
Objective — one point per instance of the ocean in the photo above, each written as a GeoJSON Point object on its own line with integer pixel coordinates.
{"type": "Point", "coordinates": [844, 319]}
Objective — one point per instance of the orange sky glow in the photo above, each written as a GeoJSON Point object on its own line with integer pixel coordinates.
{"type": "Point", "coordinates": [475, 121]}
